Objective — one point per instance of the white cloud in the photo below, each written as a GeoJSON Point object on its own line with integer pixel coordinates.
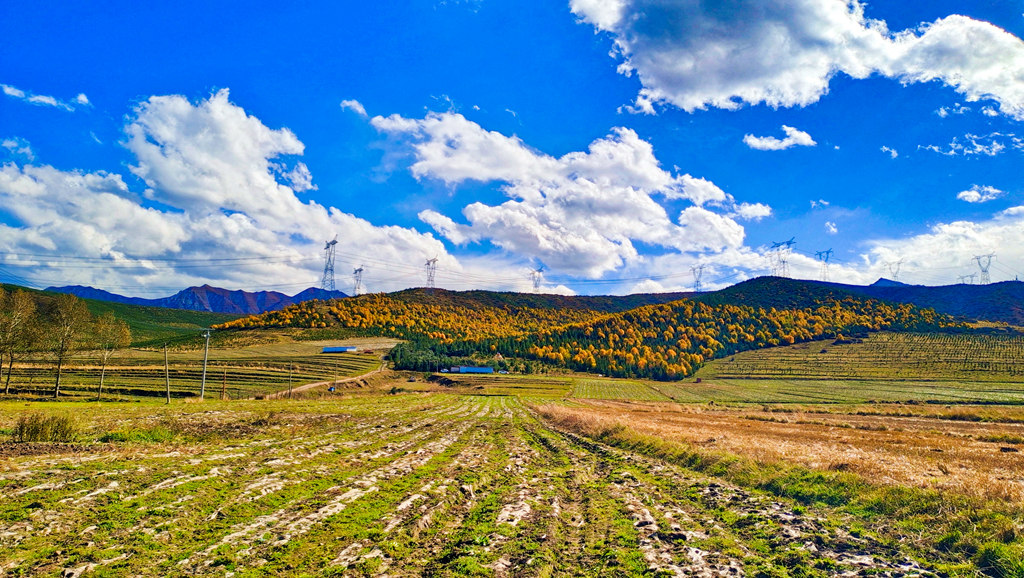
{"type": "Point", "coordinates": [223, 193]}
{"type": "Point", "coordinates": [819, 203]}
{"type": "Point", "coordinates": [12, 91]}
{"type": "Point", "coordinates": [929, 256]}
{"type": "Point", "coordinates": [971, 144]}
{"type": "Point", "coordinates": [752, 211]}
{"type": "Point", "coordinates": [794, 137]}
{"type": "Point", "coordinates": [785, 52]}
{"type": "Point", "coordinates": [42, 99]}
{"type": "Point", "coordinates": [979, 194]}
{"type": "Point", "coordinates": [989, 111]}
{"type": "Point", "coordinates": [893, 153]}
{"type": "Point", "coordinates": [581, 213]}
{"type": "Point", "coordinates": [355, 106]}
{"type": "Point", "coordinates": [831, 228]}
{"type": "Point", "coordinates": [957, 108]}
{"type": "Point", "coordinates": [19, 148]}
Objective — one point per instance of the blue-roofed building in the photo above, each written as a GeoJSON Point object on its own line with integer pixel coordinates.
{"type": "Point", "coordinates": [340, 349]}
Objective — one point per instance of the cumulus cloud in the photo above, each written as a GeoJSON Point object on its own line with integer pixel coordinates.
{"type": "Point", "coordinates": [927, 257]}
{"type": "Point", "coordinates": [831, 228]}
{"type": "Point", "coordinates": [979, 194]}
{"type": "Point", "coordinates": [785, 52]}
{"type": "Point", "coordinates": [819, 203]}
{"type": "Point", "coordinates": [893, 153]}
{"type": "Point", "coordinates": [581, 213]}
{"type": "Point", "coordinates": [42, 99]}
{"type": "Point", "coordinates": [752, 211]}
{"type": "Point", "coordinates": [355, 106]}
{"type": "Point", "coordinates": [794, 137]}
{"type": "Point", "coordinates": [220, 206]}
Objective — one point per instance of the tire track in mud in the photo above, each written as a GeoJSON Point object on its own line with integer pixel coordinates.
{"type": "Point", "coordinates": [288, 523]}
{"type": "Point", "coordinates": [683, 518]}
{"type": "Point", "coordinates": [69, 515]}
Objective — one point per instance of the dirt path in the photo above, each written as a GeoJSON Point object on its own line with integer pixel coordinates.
{"type": "Point", "coordinates": [325, 384]}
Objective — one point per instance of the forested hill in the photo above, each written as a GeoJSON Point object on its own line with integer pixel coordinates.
{"type": "Point", "coordinates": [662, 341]}
{"type": "Point", "coordinates": [510, 300]}
{"type": "Point", "coordinates": [1000, 302]}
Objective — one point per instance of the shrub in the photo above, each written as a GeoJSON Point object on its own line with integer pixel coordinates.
{"type": "Point", "coordinates": [39, 428]}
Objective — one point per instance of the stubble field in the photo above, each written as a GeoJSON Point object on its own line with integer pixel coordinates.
{"type": "Point", "coordinates": [544, 475]}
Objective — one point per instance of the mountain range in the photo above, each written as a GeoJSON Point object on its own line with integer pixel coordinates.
{"type": "Point", "coordinates": [207, 298]}
{"type": "Point", "coordinates": [998, 302]}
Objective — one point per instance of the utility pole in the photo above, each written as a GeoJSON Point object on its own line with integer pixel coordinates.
{"type": "Point", "coordinates": [224, 387]}
{"type": "Point", "coordinates": [358, 275]}
{"type": "Point", "coordinates": [984, 262]}
{"type": "Point", "coordinates": [206, 355]}
{"type": "Point", "coordinates": [894, 268]}
{"type": "Point", "coordinates": [824, 256]}
{"type": "Point", "coordinates": [327, 281]}
{"type": "Point", "coordinates": [536, 276]}
{"type": "Point", "coordinates": [167, 375]}
{"type": "Point", "coordinates": [290, 367]}
{"type": "Point", "coordinates": [782, 249]}
{"type": "Point", "coordinates": [698, 272]}
{"type": "Point", "coordinates": [431, 270]}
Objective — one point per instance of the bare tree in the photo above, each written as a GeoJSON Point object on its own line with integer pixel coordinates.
{"type": "Point", "coordinates": [18, 326]}
{"type": "Point", "coordinates": [112, 334]}
{"type": "Point", "coordinates": [70, 321]}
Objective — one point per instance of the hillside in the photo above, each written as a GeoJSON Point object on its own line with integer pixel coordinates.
{"type": "Point", "coordinates": [999, 302]}
{"type": "Point", "coordinates": [148, 324]}
{"type": "Point", "coordinates": [661, 340]}
{"type": "Point", "coordinates": [207, 298]}
{"type": "Point", "coordinates": [510, 300]}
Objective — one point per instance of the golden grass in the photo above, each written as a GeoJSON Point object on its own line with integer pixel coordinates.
{"type": "Point", "coordinates": [923, 452]}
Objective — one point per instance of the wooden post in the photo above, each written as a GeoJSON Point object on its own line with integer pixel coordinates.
{"type": "Point", "coordinates": [290, 367]}
{"type": "Point", "coordinates": [224, 387]}
{"type": "Point", "coordinates": [167, 375]}
{"type": "Point", "coordinates": [206, 355]}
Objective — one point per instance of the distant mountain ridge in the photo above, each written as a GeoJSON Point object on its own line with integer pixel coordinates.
{"type": "Point", "coordinates": [999, 302]}
{"type": "Point", "coordinates": [207, 298]}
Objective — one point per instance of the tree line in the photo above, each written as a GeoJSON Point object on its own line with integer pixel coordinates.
{"type": "Point", "coordinates": [660, 341]}
{"type": "Point", "coordinates": [61, 328]}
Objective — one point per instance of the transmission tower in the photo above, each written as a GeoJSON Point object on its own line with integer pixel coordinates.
{"type": "Point", "coordinates": [431, 269]}
{"type": "Point", "coordinates": [357, 274]}
{"type": "Point", "coordinates": [824, 256]}
{"type": "Point", "coordinates": [984, 262]}
{"type": "Point", "coordinates": [894, 268]}
{"type": "Point", "coordinates": [327, 282]}
{"type": "Point", "coordinates": [536, 275]}
{"type": "Point", "coordinates": [968, 278]}
{"type": "Point", "coordinates": [780, 264]}
{"type": "Point", "coordinates": [698, 272]}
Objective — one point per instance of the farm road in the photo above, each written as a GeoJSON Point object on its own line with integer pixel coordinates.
{"type": "Point", "coordinates": [400, 485]}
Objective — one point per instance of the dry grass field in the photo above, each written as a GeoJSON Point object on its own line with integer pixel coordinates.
{"type": "Point", "coordinates": [403, 474]}
{"type": "Point", "coordinates": [412, 484]}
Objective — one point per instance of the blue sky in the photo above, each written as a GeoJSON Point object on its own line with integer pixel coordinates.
{"type": "Point", "coordinates": [617, 144]}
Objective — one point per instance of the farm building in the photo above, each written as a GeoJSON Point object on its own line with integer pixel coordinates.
{"type": "Point", "coordinates": [471, 369]}
{"type": "Point", "coordinates": [340, 349]}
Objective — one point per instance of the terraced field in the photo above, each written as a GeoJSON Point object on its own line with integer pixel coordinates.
{"type": "Point", "coordinates": [884, 356]}
{"type": "Point", "coordinates": [414, 484]}
{"type": "Point", "coordinates": [235, 373]}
